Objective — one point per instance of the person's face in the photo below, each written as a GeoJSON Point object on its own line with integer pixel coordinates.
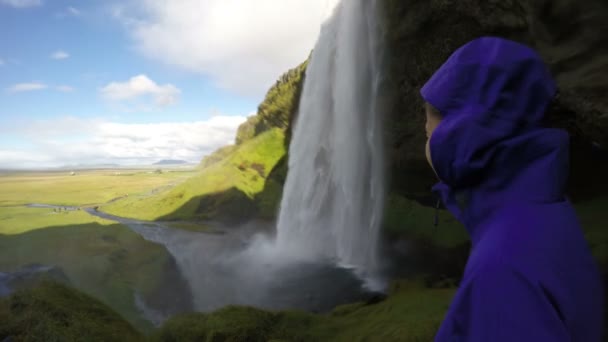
{"type": "Point", "coordinates": [432, 121]}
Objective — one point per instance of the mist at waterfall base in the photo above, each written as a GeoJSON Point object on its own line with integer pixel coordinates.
{"type": "Point", "coordinates": [324, 251]}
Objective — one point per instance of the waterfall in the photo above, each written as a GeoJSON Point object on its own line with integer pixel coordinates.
{"type": "Point", "coordinates": [333, 198]}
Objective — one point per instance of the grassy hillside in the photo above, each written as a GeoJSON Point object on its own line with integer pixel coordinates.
{"type": "Point", "coordinates": [105, 260]}
{"type": "Point", "coordinates": [225, 189]}
{"type": "Point", "coordinates": [54, 312]}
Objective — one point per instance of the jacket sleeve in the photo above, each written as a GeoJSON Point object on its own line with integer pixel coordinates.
{"type": "Point", "coordinates": [500, 304]}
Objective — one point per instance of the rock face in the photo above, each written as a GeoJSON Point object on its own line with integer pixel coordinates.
{"type": "Point", "coordinates": [570, 35]}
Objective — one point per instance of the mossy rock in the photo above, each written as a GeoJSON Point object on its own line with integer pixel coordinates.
{"type": "Point", "coordinates": [55, 312]}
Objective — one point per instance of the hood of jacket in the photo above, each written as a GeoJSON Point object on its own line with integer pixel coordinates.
{"type": "Point", "coordinates": [491, 147]}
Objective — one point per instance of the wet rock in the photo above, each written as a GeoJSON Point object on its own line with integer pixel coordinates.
{"type": "Point", "coordinates": [570, 35]}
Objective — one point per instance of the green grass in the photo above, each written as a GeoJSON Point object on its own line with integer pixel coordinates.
{"type": "Point", "coordinates": [17, 220]}
{"type": "Point", "coordinates": [54, 312]}
{"type": "Point", "coordinates": [407, 219]}
{"type": "Point", "coordinates": [230, 184]}
{"type": "Point", "coordinates": [105, 260]}
{"type": "Point", "coordinates": [85, 188]}
{"type": "Point", "coordinates": [411, 313]}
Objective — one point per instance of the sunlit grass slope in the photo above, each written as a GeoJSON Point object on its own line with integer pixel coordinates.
{"type": "Point", "coordinates": [226, 188]}
{"type": "Point", "coordinates": [17, 220]}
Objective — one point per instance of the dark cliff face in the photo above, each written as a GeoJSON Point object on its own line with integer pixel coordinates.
{"type": "Point", "coordinates": [570, 35]}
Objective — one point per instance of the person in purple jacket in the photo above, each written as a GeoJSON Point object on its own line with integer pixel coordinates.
{"type": "Point", "coordinates": [530, 275]}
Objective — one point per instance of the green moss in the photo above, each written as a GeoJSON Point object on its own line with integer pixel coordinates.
{"type": "Point", "coordinates": [278, 108]}
{"type": "Point", "coordinates": [246, 130]}
{"type": "Point", "coordinates": [54, 312]}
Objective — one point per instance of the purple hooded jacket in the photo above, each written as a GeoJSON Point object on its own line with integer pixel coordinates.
{"type": "Point", "coordinates": [530, 275]}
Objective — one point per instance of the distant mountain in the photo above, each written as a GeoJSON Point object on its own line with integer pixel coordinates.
{"type": "Point", "coordinates": [170, 162]}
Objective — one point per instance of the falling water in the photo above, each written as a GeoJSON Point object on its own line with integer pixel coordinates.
{"type": "Point", "coordinates": [334, 194]}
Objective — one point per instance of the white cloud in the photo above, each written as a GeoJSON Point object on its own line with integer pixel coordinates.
{"type": "Point", "coordinates": [59, 55]}
{"type": "Point", "coordinates": [243, 45]}
{"type": "Point", "coordinates": [138, 86]}
{"type": "Point", "coordinates": [73, 11]}
{"type": "Point", "coordinates": [31, 86]}
{"type": "Point", "coordinates": [72, 141]}
{"type": "Point", "coordinates": [21, 3]}
{"type": "Point", "coordinates": [64, 88]}
{"type": "Point", "coordinates": [20, 87]}
{"type": "Point", "coordinates": [1, 62]}
{"type": "Point", "coordinates": [68, 12]}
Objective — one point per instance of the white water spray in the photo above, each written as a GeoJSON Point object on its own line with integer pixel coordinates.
{"type": "Point", "coordinates": [333, 198]}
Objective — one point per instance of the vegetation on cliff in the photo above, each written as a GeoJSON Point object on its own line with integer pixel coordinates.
{"type": "Point", "coordinates": [278, 108]}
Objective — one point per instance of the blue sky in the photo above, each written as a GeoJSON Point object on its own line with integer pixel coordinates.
{"type": "Point", "coordinates": [132, 82]}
